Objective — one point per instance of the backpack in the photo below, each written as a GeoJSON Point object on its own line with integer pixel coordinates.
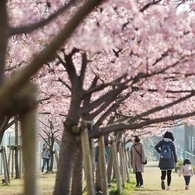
{"type": "Point", "coordinates": [165, 151]}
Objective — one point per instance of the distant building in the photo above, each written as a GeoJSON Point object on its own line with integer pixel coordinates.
{"type": "Point", "coordinates": [189, 142]}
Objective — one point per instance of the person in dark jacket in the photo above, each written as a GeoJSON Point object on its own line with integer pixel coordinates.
{"type": "Point", "coordinates": [167, 165]}
{"type": "Point", "coordinates": [137, 160]}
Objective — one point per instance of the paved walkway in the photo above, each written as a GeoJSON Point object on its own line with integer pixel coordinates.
{"type": "Point", "coordinates": [152, 182]}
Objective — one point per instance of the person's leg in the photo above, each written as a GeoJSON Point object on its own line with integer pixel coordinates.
{"type": "Point", "coordinates": [137, 179]}
{"type": "Point", "coordinates": [187, 182]}
{"type": "Point", "coordinates": [140, 178]}
{"type": "Point", "coordinates": [163, 176]}
{"type": "Point", "coordinates": [168, 179]}
{"type": "Point", "coordinates": [47, 163]}
{"type": "Point", "coordinates": [44, 162]}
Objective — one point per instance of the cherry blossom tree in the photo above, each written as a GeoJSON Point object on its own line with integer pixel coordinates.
{"type": "Point", "coordinates": [50, 128]}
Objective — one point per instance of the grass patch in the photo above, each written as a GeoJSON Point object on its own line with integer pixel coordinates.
{"type": "Point", "coordinates": [127, 188]}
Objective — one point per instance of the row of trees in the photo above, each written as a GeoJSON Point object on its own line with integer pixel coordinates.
{"type": "Point", "coordinates": [123, 66]}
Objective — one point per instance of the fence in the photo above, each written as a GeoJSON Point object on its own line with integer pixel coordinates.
{"type": "Point", "coordinates": [190, 156]}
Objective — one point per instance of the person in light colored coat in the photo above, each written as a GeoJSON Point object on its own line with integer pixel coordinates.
{"type": "Point", "coordinates": [187, 172]}
{"type": "Point", "coordinates": [137, 160]}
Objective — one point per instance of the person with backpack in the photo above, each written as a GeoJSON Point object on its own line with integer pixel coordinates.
{"type": "Point", "coordinates": [168, 158]}
{"type": "Point", "coordinates": [137, 160]}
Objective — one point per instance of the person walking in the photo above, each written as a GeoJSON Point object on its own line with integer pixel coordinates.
{"type": "Point", "coordinates": [45, 156]}
{"type": "Point", "coordinates": [137, 160]}
{"type": "Point", "coordinates": [168, 158]}
{"type": "Point", "coordinates": [187, 172]}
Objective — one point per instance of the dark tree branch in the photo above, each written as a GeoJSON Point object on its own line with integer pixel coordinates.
{"type": "Point", "coordinates": [111, 109]}
{"type": "Point", "coordinates": [131, 124]}
{"type": "Point", "coordinates": [39, 24]}
{"type": "Point", "coordinates": [121, 126]}
{"type": "Point", "coordinates": [159, 108]}
{"type": "Point", "coordinates": [94, 88]}
{"type": "Point", "coordinates": [112, 94]}
{"type": "Point", "coordinates": [148, 5]}
{"type": "Point", "coordinates": [18, 80]}
{"type": "Point", "coordinates": [83, 67]}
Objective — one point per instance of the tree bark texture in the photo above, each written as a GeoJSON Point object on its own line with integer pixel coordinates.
{"type": "Point", "coordinates": [65, 163]}
{"type": "Point", "coordinates": [51, 154]}
{"type": "Point", "coordinates": [77, 173]}
{"type": "Point", "coordinates": [4, 37]}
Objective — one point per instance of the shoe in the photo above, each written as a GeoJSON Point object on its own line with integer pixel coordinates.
{"type": "Point", "coordinates": [168, 188]}
{"type": "Point", "coordinates": [141, 186]}
{"type": "Point", "coordinates": [186, 188]}
{"type": "Point", "coordinates": [163, 184]}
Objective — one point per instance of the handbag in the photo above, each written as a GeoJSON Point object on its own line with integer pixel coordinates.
{"type": "Point", "coordinates": [145, 162]}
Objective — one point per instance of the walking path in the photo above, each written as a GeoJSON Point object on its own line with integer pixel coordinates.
{"type": "Point", "coordinates": [152, 182]}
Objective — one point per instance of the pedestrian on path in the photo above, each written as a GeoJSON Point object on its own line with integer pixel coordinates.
{"type": "Point", "coordinates": [168, 158]}
{"type": "Point", "coordinates": [137, 160]}
{"type": "Point", "coordinates": [45, 156]}
{"type": "Point", "coordinates": [187, 172]}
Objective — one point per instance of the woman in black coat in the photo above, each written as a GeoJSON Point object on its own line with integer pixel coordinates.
{"type": "Point", "coordinates": [167, 165]}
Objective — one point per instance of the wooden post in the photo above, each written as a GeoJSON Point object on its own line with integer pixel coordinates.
{"type": "Point", "coordinates": [124, 162]}
{"type": "Point", "coordinates": [12, 163]}
{"type": "Point", "coordinates": [20, 162]}
{"type": "Point", "coordinates": [28, 127]}
{"type": "Point", "coordinates": [126, 165]}
{"type": "Point", "coordinates": [116, 167]}
{"type": "Point", "coordinates": [92, 151]}
{"type": "Point", "coordinates": [92, 156]}
{"type": "Point", "coordinates": [56, 157]}
{"type": "Point", "coordinates": [5, 166]}
{"type": "Point", "coordinates": [121, 164]}
{"type": "Point", "coordinates": [104, 180]}
{"type": "Point", "coordinates": [87, 159]}
{"type": "Point", "coordinates": [9, 159]}
{"type": "Point", "coordinates": [128, 158]}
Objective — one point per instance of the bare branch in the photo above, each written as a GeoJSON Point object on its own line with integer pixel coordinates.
{"type": "Point", "coordinates": [30, 28]}
{"type": "Point", "coordinates": [10, 88]}
{"type": "Point", "coordinates": [148, 5]}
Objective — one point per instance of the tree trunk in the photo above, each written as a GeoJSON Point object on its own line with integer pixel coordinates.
{"type": "Point", "coordinates": [65, 163]}
{"type": "Point", "coordinates": [77, 173]}
{"type": "Point", "coordinates": [51, 155]}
